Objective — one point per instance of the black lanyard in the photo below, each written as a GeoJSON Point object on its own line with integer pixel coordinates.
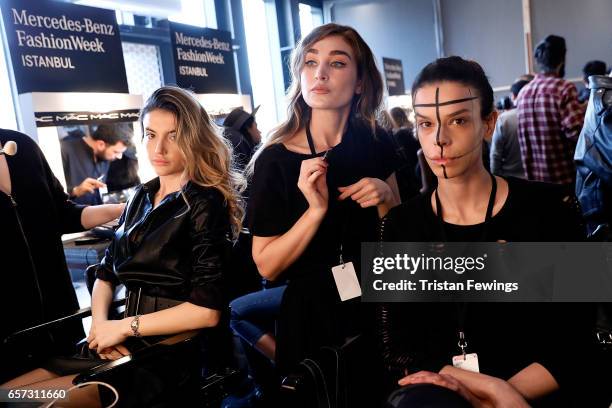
{"type": "Point", "coordinates": [462, 307]}
{"type": "Point", "coordinates": [313, 151]}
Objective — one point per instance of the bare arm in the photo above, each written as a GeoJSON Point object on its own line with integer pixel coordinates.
{"type": "Point", "coordinates": [95, 215]}
{"type": "Point", "coordinates": [177, 319]}
{"type": "Point", "coordinates": [392, 200]}
{"type": "Point", "coordinates": [101, 298]}
{"type": "Point", "coordinates": [273, 255]}
{"type": "Point", "coordinates": [488, 391]}
{"type": "Point", "coordinates": [534, 381]}
{"type": "Point", "coordinates": [480, 390]}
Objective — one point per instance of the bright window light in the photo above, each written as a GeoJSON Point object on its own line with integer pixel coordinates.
{"type": "Point", "coordinates": [7, 114]}
{"type": "Point", "coordinates": [192, 13]}
{"type": "Point", "coordinates": [306, 25]}
{"type": "Point", "coordinates": [310, 18]}
{"type": "Point", "coordinates": [264, 64]}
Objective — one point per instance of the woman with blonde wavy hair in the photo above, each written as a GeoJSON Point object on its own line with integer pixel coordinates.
{"type": "Point", "coordinates": [170, 251]}
{"type": "Point", "coordinates": [319, 184]}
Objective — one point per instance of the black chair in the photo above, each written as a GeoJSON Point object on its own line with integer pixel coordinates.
{"type": "Point", "coordinates": [209, 389]}
{"type": "Point", "coordinates": [335, 377]}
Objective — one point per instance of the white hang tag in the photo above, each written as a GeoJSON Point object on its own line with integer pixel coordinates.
{"type": "Point", "coordinates": [346, 281]}
{"type": "Point", "coordinates": [467, 362]}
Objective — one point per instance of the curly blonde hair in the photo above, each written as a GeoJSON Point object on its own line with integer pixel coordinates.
{"type": "Point", "coordinates": [207, 154]}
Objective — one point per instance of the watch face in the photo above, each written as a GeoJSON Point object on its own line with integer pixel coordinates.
{"type": "Point", "coordinates": [134, 325]}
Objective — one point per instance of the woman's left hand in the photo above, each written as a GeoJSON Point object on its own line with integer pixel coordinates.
{"type": "Point", "coordinates": [480, 390]}
{"type": "Point", "coordinates": [108, 333]}
{"type": "Point", "coordinates": [367, 192]}
{"type": "Point", "coordinates": [114, 353]}
{"type": "Point", "coordinates": [446, 381]}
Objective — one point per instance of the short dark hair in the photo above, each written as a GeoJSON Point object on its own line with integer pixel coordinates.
{"type": "Point", "coordinates": [550, 53]}
{"type": "Point", "coordinates": [594, 67]}
{"type": "Point", "coordinates": [457, 69]}
{"type": "Point", "coordinates": [517, 86]}
{"type": "Point", "coordinates": [399, 117]}
{"type": "Point", "coordinates": [110, 135]}
{"type": "Point", "coordinates": [504, 103]}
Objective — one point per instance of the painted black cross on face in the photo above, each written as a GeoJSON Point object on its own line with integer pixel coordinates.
{"type": "Point", "coordinates": [449, 127]}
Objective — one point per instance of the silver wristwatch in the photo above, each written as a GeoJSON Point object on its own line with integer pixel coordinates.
{"type": "Point", "coordinates": [134, 326]}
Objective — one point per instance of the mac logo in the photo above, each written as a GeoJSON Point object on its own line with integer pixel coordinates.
{"type": "Point", "coordinates": [44, 119]}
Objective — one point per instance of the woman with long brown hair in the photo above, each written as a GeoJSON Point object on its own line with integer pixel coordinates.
{"type": "Point", "coordinates": [170, 251]}
{"type": "Point", "coordinates": [320, 183]}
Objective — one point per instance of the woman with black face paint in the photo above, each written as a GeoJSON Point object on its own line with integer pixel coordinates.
{"type": "Point", "coordinates": [519, 364]}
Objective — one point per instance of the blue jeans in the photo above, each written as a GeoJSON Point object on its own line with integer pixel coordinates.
{"type": "Point", "coordinates": [255, 314]}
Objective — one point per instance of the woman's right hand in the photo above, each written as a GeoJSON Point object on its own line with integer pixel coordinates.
{"type": "Point", "coordinates": [109, 353]}
{"type": "Point", "coordinates": [312, 182]}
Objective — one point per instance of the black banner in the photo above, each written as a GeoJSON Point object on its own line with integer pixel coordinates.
{"type": "Point", "coordinates": [203, 59]}
{"type": "Point", "coordinates": [394, 76]}
{"type": "Point", "coordinates": [63, 47]}
{"type": "Point", "coordinates": [486, 272]}
{"type": "Point", "coordinates": [44, 119]}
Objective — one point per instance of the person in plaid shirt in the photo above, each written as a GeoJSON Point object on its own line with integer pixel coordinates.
{"type": "Point", "coordinates": [549, 117]}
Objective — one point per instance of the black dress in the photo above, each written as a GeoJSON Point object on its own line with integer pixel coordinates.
{"type": "Point", "coordinates": [311, 312]}
{"type": "Point", "coordinates": [506, 336]}
{"type": "Point", "coordinates": [46, 213]}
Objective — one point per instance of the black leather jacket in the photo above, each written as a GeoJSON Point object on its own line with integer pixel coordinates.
{"type": "Point", "coordinates": [593, 155]}
{"type": "Point", "coordinates": [178, 250]}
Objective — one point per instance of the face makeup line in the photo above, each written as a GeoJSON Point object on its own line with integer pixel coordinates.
{"type": "Point", "coordinates": [437, 105]}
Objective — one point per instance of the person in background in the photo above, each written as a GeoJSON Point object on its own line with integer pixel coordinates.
{"type": "Point", "coordinates": [36, 285]}
{"type": "Point", "coordinates": [123, 173]}
{"type": "Point", "coordinates": [594, 67]}
{"type": "Point", "coordinates": [86, 161]}
{"type": "Point", "coordinates": [594, 160]}
{"type": "Point", "coordinates": [505, 103]}
{"type": "Point", "coordinates": [240, 128]}
{"type": "Point", "coordinates": [549, 118]}
{"type": "Point", "coordinates": [406, 147]}
{"type": "Point", "coordinates": [384, 120]}
{"type": "Point", "coordinates": [399, 116]}
{"type": "Point", "coordinates": [505, 150]}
